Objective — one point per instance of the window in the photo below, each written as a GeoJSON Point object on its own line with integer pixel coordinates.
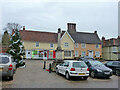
{"type": "Point", "coordinates": [97, 54]}
{"type": "Point", "coordinates": [97, 46]}
{"type": "Point", "coordinates": [4, 60]}
{"type": "Point", "coordinates": [83, 45]}
{"type": "Point", "coordinates": [76, 53]}
{"type": "Point", "coordinates": [65, 44]}
{"type": "Point", "coordinates": [83, 53]}
{"type": "Point", "coordinates": [76, 45]}
{"type": "Point", "coordinates": [109, 63]}
{"type": "Point", "coordinates": [67, 53]}
{"type": "Point", "coordinates": [37, 44]}
{"type": "Point", "coordinates": [51, 45]}
{"type": "Point", "coordinates": [66, 64]}
{"type": "Point", "coordinates": [114, 49]}
{"type": "Point", "coordinates": [51, 55]}
{"type": "Point", "coordinates": [79, 65]}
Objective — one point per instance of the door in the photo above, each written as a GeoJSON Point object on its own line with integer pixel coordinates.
{"type": "Point", "coordinates": [45, 55]}
{"type": "Point", "coordinates": [90, 53]}
{"type": "Point", "coordinates": [28, 54]}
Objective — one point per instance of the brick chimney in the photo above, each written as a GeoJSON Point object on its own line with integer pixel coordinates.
{"type": "Point", "coordinates": [103, 41]}
{"type": "Point", "coordinates": [71, 27]}
{"type": "Point", "coordinates": [23, 27]}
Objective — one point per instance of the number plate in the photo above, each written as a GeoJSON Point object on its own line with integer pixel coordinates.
{"type": "Point", "coordinates": [107, 72]}
{"type": "Point", "coordinates": [81, 73]}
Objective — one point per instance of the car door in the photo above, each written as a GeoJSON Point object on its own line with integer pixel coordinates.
{"type": "Point", "coordinates": [65, 67]}
{"type": "Point", "coordinates": [61, 68]}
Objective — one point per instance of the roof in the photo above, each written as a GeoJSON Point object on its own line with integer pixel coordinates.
{"type": "Point", "coordinates": [39, 36]}
{"type": "Point", "coordinates": [82, 37]}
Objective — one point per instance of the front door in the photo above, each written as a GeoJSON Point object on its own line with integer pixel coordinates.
{"type": "Point", "coordinates": [90, 53]}
{"type": "Point", "coordinates": [45, 55]}
{"type": "Point", "coordinates": [28, 54]}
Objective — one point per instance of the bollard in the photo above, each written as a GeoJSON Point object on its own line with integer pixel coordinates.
{"type": "Point", "coordinates": [49, 68]}
{"type": "Point", "coordinates": [44, 65]}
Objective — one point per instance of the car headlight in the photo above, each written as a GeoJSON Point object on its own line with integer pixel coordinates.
{"type": "Point", "coordinates": [99, 70]}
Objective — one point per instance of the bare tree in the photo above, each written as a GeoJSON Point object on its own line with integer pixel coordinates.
{"type": "Point", "coordinates": [12, 26]}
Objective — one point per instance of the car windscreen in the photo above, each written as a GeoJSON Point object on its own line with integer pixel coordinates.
{"type": "Point", "coordinates": [79, 65]}
{"type": "Point", "coordinates": [4, 60]}
{"type": "Point", "coordinates": [96, 63]}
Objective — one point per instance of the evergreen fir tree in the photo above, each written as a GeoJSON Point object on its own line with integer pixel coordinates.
{"type": "Point", "coordinates": [16, 48]}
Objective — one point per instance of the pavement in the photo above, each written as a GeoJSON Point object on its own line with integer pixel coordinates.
{"type": "Point", "coordinates": [34, 76]}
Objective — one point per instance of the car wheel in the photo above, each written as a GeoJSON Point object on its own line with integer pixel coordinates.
{"type": "Point", "coordinates": [57, 71]}
{"type": "Point", "coordinates": [10, 77]}
{"type": "Point", "coordinates": [85, 78]}
{"type": "Point", "coordinates": [117, 72]}
{"type": "Point", "coordinates": [92, 74]}
{"type": "Point", "coordinates": [67, 76]}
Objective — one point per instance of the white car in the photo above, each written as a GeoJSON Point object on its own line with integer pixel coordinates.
{"type": "Point", "coordinates": [72, 68]}
{"type": "Point", "coordinates": [7, 66]}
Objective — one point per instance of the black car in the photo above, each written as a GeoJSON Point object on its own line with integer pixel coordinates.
{"type": "Point", "coordinates": [115, 66]}
{"type": "Point", "coordinates": [98, 69]}
{"type": "Point", "coordinates": [86, 58]}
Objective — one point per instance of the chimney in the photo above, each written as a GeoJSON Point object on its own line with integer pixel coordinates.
{"type": "Point", "coordinates": [23, 27]}
{"type": "Point", "coordinates": [103, 41]}
{"type": "Point", "coordinates": [95, 32]}
{"type": "Point", "coordinates": [71, 27]}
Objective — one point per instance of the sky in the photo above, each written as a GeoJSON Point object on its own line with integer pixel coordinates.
{"type": "Point", "coordinates": [49, 16]}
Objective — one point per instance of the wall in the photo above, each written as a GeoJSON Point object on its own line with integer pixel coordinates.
{"type": "Point", "coordinates": [88, 47]}
{"type": "Point", "coordinates": [67, 39]}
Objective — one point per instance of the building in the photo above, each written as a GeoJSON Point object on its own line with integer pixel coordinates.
{"type": "Point", "coordinates": [86, 44]}
{"type": "Point", "coordinates": [111, 48]}
{"type": "Point", "coordinates": [42, 45]}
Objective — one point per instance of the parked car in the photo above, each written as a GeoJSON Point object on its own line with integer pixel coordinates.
{"type": "Point", "coordinates": [7, 66]}
{"type": "Point", "coordinates": [86, 58]}
{"type": "Point", "coordinates": [98, 69]}
{"type": "Point", "coordinates": [71, 68]}
{"type": "Point", "coordinates": [115, 66]}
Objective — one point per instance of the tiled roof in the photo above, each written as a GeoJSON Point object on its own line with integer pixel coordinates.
{"type": "Point", "coordinates": [82, 37]}
{"type": "Point", "coordinates": [39, 36]}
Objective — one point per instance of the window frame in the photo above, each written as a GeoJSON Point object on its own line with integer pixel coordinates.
{"type": "Point", "coordinates": [76, 45]}
{"type": "Point", "coordinates": [83, 44]}
{"type": "Point", "coordinates": [68, 54]}
{"type": "Point", "coordinates": [51, 44]}
{"type": "Point", "coordinates": [37, 43]}
{"type": "Point", "coordinates": [97, 45]}
{"type": "Point", "coordinates": [97, 52]}
{"type": "Point", "coordinates": [65, 44]}
{"type": "Point", "coordinates": [82, 53]}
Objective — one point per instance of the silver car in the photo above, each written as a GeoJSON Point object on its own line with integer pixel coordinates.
{"type": "Point", "coordinates": [7, 66]}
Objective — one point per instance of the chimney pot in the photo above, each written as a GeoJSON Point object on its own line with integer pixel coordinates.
{"type": "Point", "coordinates": [95, 32]}
{"type": "Point", "coordinates": [59, 30]}
{"type": "Point", "coordinates": [23, 27]}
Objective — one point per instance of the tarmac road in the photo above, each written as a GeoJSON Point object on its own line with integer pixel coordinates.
{"type": "Point", "coordinates": [34, 76]}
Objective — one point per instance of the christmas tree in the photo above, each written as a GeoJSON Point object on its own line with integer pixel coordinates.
{"type": "Point", "coordinates": [16, 48]}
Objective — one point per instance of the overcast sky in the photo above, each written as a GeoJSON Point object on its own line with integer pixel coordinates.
{"type": "Point", "coordinates": [49, 16]}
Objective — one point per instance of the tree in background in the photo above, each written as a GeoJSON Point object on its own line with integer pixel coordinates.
{"type": "Point", "coordinates": [6, 38]}
{"type": "Point", "coordinates": [16, 48]}
{"type": "Point", "coordinates": [12, 26]}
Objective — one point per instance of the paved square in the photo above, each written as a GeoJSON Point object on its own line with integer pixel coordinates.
{"type": "Point", "coordinates": [34, 76]}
